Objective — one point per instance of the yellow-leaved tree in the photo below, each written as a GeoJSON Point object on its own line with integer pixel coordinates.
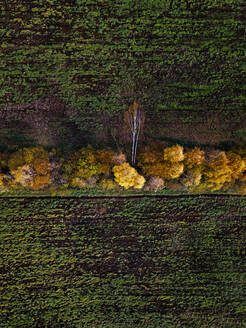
{"type": "Point", "coordinates": [173, 166]}
{"type": "Point", "coordinates": [193, 166]}
{"type": "Point", "coordinates": [84, 166]}
{"type": "Point", "coordinates": [217, 171]}
{"type": "Point", "coordinates": [127, 177]}
{"type": "Point", "coordinates": [30, 167]}
{"type": "Point", "coordinates": [194, 158]}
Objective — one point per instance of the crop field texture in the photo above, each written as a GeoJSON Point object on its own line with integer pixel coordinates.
{"type": "Point", "coordinates": [123, 262]}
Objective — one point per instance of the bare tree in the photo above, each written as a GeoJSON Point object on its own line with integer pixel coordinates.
{"type": "Point", "coordinates": [134, 118]}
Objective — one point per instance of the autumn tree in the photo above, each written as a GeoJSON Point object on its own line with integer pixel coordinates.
{"type": "Point", "coordinates": [134, 118]}
{"type": "Point", "coordinates": [217, 171]}
{"type": "Point", "coordinates": [127, 177]}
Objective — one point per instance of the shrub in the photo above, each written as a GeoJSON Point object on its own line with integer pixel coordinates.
{"type": "Point", "coordinates": [3, 161]}
{"type": "Point", "coordinates": [236, 164]}
{"type": "Point", "coordinates": [150, 154]}
{"type": "Point", "coordinates": [127, 177]}
{"type": "Point", "coordinates": [172, 170]}
{"type": "Point", "coordinates": [83, 182]}
{"type": "Point", "coordinates": [78, 182]}
{"type": "Point", "coordinates": [41, 181]}
{"type": "Point", "coordinates": [26, 156]}
{"type": "Point", "coordinates": [119, 159]}
{"type": "Point", "coordinates": [30, 154]}
{"type": "Point", "coordinates": [193, 158]}
{"type": "Point", "coordinates": [215, 159]}
{"type": "Point", "coordinates": [88, 162]}
{"type": "Point", "coordinates": [154, 184]}
{"type": "Point", "coordinates": [156, 169]}
{"type": "Point", "coordinates": [173, 154]}
{"type": "Point", "coordinates": [217, 170]}
{"type": "Point", "coordinates": [108, 184]}
{"type": "Point", "coordinates": [150, 160]}
{"type": "Point", "coordinates": [2, 176]}
{"type": "Point", "coordinates": [240, 187]}
{"type": "Point", "coordinates": [30, 168]}
{"type": "Point", "coordinates": [201, 188]}
{"type": "Point", "coordinates": [191, 178]}
{"type": "Point", "coordinates": [23, 175]}
{"type": "Point", "coordinates": [162, 163]}
{"type": "Point", "coordinates": [105, 158]}
{"type": "Point", "coordinates": [174, 185]}
{"type": "Point", "coordinates": [41, 166]}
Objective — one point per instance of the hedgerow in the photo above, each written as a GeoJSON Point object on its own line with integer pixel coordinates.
{"type": "Point", "coordinates": [158, 167]}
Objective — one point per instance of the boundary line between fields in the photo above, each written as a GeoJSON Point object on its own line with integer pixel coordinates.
{"type": "Point", "coordinates": [126, 196]}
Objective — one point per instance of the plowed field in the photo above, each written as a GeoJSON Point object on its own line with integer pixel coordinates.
{"type": "Point", "coordinates": [123, 262]}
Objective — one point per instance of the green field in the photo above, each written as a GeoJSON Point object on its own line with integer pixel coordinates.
{"type": "Point", "coordinates": [176, 261]}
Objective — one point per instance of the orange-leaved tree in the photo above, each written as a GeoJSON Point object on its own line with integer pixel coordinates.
{"type": "Point", "coordinates": [150, 160]}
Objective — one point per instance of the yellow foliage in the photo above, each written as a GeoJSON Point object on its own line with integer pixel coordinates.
{"type": "Point", "coordinates": [16, 160]}
{"type": "Point", "coordinates": [88, 162]}
{"type": "Point", "coordinates": [119, 159]}
{"type": "Point", "coordinates": [172, 170]}
{"type": "Point", "coordinates": [236, 164]}
{"type": "Point", "coordinates": [23, 175]}
{"type": "Point", "coordinates": [191, 178]}
{"type": "Point", "coordinates": [240, 187]}
{"type": "Point", "coordinates": [152, 163]}
{"type": "Point", "coordinates": [150, 160]}
{"type": "Point", "coordinates": [154, 184]}
{"type": "Point", "coordinates": [174, 185]}
{"type": "Point", "coordinates": [30, 154]}
{"type": "Point", "coordinates": [195, 157]}
{"type": "Point", "coordinates": [173, 154]}
{"type": "Point", "coordinates": [127, 177]}
{"type": "Point", "coordinates": [217, 178]}
{"type": "Point", "coordinates": [78, 182]}
{"type": "Point", "coordinates": [156, 169]}
{"type": "Point", "coordinates": [217, 171]}
{"type": "Point", "coordinates": [216, 158]}
{"type": "Point", "coordinates": [107, 184]}
{"type": "Point", "coordinates": [150, 154]}
{"type": "Point", "coordinates": [242, 177]}
{"type": "Point", "coordinates": [41, 166]}
{"type": "Point", "coordinates": [1, 179]}
{"type": "Point", "coordinates": [26, 156]}
{"type": "Point", "coordinates": [104, 156]}
{"type": "Point", "coordinates": [199, 189]}
{"type": "Point", "coordinates": [41, 181]}
{"type": "Point", "coordinates": [84, 183]}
